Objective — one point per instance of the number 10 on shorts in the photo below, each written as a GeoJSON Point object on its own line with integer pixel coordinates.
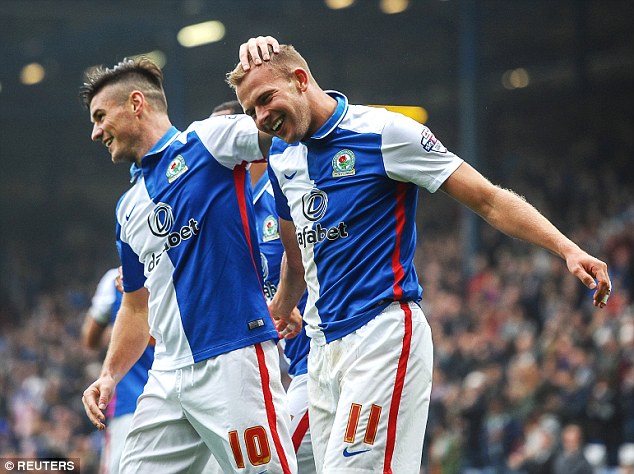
{"type": "Point", "coordinates": [256, 443]}
{"type": "Point", "coordinates": [353, 423]}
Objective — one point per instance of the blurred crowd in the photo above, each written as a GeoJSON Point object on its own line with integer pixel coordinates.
{"type": "Point", "coordinates": [529, 376]}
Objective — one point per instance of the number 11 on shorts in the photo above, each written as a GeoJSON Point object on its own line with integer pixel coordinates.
{"type": "Point", "coordinates": [353, 423]}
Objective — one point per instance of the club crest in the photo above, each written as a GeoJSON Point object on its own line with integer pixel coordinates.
{"type": "Point", "coordinates": [343, 163]}
{"type": "Point", "coordinates": [269, 229]}
{"type": "Point", "coordinates": [176, 168]}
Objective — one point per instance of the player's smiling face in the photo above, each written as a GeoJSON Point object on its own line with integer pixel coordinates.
{"type": "Point", "coordinates": [276, 103]}
{"type": "Point", "coordinates": [113, 124]}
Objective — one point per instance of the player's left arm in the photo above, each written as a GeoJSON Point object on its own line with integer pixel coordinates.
{"type": "Point", "coordinates": [129, 339]}
{"type": "Point", "coordinates": [292, 285]}
{"type": "Point", "coordinates": [513, 215]}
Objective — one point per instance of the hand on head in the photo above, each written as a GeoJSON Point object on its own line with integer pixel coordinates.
{"type": "Point", "coordinates": [257, 49]}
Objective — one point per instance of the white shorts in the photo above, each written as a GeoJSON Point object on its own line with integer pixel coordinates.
{"type": "Point", "coordinates": [300, 431]}
{"type": "Point", "coordinates": [232, 406]}
{"type": "Point", "coordinates": [369, 395]}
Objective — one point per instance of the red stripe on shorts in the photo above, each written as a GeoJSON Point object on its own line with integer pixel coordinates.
{"type": "Point", "coordinates": [401, 370]}
{"type": "Point", "coordinates": [300, 431]}
{"type": "Point", "coordinates": [270, 408]}
{"type": "Point", "coordinates": [397, 268]}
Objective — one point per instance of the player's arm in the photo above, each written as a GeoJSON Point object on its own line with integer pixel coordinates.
{"type": "Point", "coordinates": [129, 339]}
{"type": "Point", "coordinates": [291, 287]}
{"type": "Point", "coordinates": [93, 333]}
{"type": "Point", "coordinates": [511, 214]}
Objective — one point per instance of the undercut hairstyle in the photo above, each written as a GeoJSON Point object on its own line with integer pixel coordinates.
{"type": "Point", "coordinates": [282, 63]}
{"type": "Point", "coordinates": [130, 74]}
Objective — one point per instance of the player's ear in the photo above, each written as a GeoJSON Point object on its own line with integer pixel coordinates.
{"type": "Point", "coordinates": [137, 101]}
{"type": "Point", "coordinates": [301, 78]}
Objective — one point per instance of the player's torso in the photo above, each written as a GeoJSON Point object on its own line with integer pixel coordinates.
{"type": "Point", "coordinates": [355, 226]}
{"type": "Point", "coordinates": [188, 219]}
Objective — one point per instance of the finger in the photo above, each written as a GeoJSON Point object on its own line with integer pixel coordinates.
{"type": "Point", "coordinates": [254, 49]}
{"type": "Point", "coordinates": [244, 57]}
{"type": "Point", "coordinates": [95, 415]}
{"type": "Point", "coordinates": [289, 330]}
{"type": "Point", "coordinates": [586, 278]}
{"type": "Point", "coordinates": [104, 397]}
{"type": "Point", "coordinates": [270, 41]}
{"type": "Point", "coordinates": [602, 295]}
{"type": "Point", "coordinates": [603, 285]}
{"type": "Point", "coordinates": [263, 46]}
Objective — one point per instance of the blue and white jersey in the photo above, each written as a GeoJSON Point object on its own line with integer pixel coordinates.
{"type": "Point", "coordinates": [271, 249]}
{"type": "Point", "coordinates": [351, 191]}
{"type": "Point", "coordinates": [104, 308]}
{"type": "Point", "coordinates": [184, 231]}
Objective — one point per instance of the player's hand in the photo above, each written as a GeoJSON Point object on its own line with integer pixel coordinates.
{"type": "Point", "coordinates": [118, 281]}
{"type": "Point", "coordinates": [593, 273]}
{"type": "Point", "coordinates": [257, 49]}
{"type": "Point", "coordinates": [289, 327]}
{"type": "Point", "coordinates": [96, 399]}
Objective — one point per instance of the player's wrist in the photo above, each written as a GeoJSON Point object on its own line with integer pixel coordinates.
{"type": "Point", "coordinates": [277, 310]}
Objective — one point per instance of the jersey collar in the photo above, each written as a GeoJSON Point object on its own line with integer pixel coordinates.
{"type": "Point", "coordinates": [164, 141]}
{"type": "Point", "coordinates": [336, 118]}
{"type": "Point", "coordinates": [137, 171]}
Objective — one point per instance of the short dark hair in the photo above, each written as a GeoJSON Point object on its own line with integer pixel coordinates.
{"type": "Point", "coordinates": [232, 105]}
{"type": "Point", "coordinates": [137, 73]}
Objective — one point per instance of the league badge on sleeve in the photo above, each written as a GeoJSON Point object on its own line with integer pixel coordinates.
{"type": "Point", "coordinates": [176, 168]}
{"type": "Point", "coordinates": [343, 163]}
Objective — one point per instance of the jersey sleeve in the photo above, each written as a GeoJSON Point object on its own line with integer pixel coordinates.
{"type": "Point", "coordinates": [231, 139]}
{"type": "Point", "coordinates": [132, 268]}
{"type": "Point", "coordinates": [281, 203]}
{"type": "Point", "coordinates": [412, 153]}
{"type": "Point", "coordinates": [104, 298]}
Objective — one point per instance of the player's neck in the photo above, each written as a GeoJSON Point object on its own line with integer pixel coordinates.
{"type": "Point", "coordinates": [256, 170]}
{"type": "Point", "coordinates": [322, 107]}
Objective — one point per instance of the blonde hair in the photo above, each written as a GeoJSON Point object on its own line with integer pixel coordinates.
{"type": "Point", "coordinates": [282, 63]}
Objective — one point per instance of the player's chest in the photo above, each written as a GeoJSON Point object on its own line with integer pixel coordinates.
{"type": "Point", "coordinates": [340, 177]}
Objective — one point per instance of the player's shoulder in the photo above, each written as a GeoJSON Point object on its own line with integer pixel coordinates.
{"type": "Point", "coordinates": [279, 146]}
{"type": "Point", "coordinates": [365, 119]}
{"type": "Point", "coordinates": [221, 122]}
